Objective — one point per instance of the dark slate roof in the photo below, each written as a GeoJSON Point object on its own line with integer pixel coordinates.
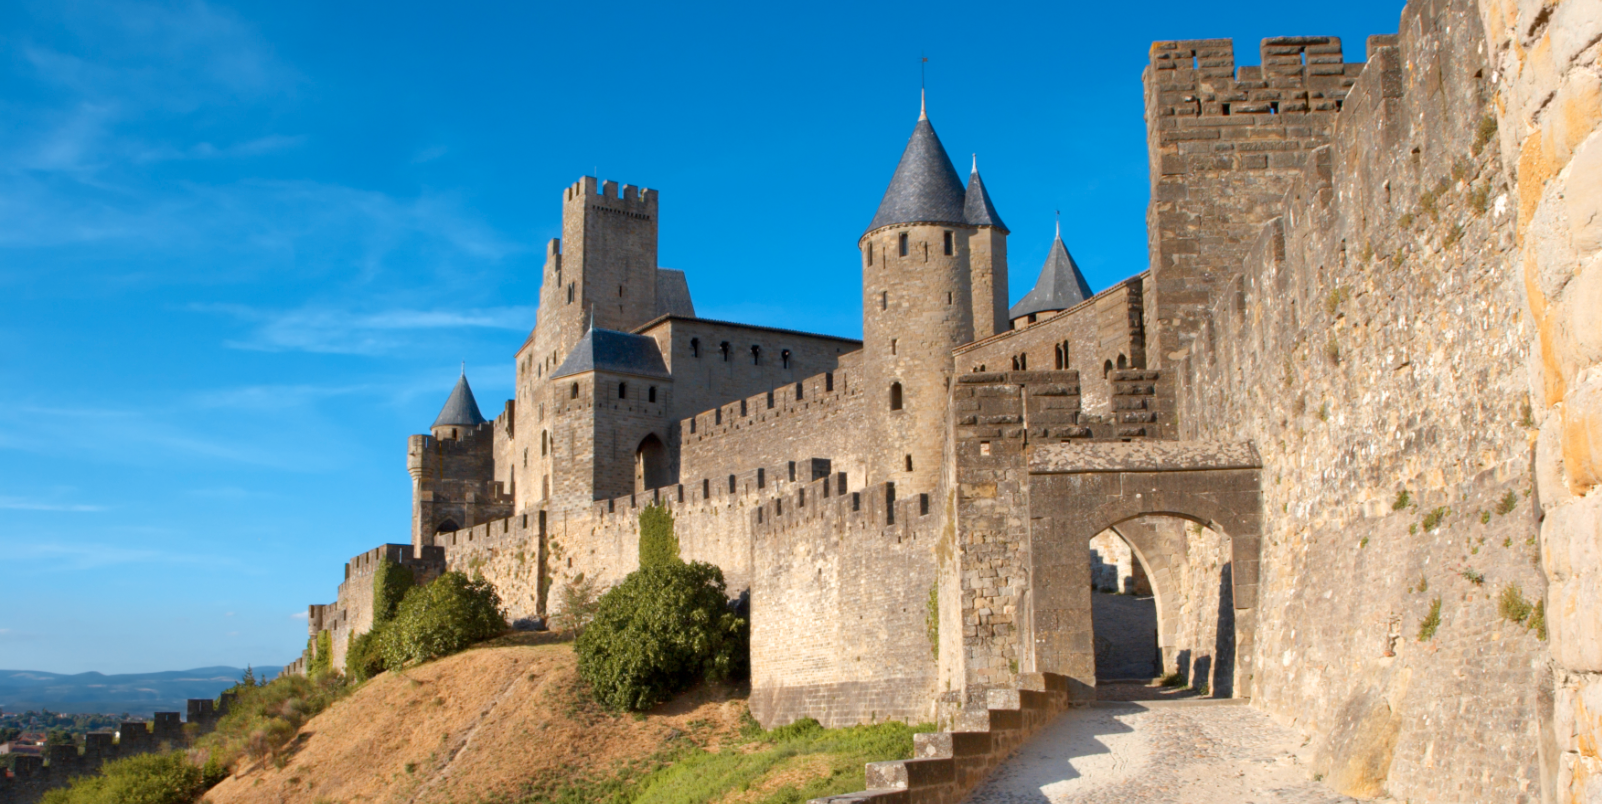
{"type": "Point", "coordinates": [673, 294]}
{"type": "Point", "coordinates": [461, 410]}
{"type": "Point", "coordinates": [925, 188]}
{"type": "Point", "coordinates": [1059, 287]}
{"type": "Point", "coordinates": [978, 210]}
{"type": "Point", "coordinates": [607, 350]}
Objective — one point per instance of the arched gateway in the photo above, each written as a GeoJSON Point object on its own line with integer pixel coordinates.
{"type": "Point", "coordinates": [1035, 482]}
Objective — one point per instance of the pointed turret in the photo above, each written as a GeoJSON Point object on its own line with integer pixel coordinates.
{"type": "Point", "coordinates": [1060, 286]}
{"type": "Point", "coordinates": [925, 188]}
{"type": "Point", "coordinates": [461, 410]}
{"type": "Point", "coordinates": [978, 210]}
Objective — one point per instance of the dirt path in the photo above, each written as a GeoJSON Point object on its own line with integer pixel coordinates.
{"type": "Point", "coordinates": [1187, 752]}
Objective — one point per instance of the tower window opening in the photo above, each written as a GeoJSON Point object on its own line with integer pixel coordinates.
{"type": "Point", "coordinates": [949, 298]}
{"type": "Point", "coordinates": [1030, 319]}
{"type": "Point", "coordinates": [893, 345]}
{"type": "Point", "coordinates": [829, 381]}
{"type": "Point", "coordinates": [791, 467]}
{"type": "Point", "coordinates": [651, 394]}
{"type": "Point", "coordinates": [620, 291]}
{"type": "Point", "coordinates": [718, 415]}
{"type": "Point", "coordinates": [570, 293]}
{"type": "Point", "coordinates": [882, 300]}
{"type": "Point", "coordinates": [706, 492]}
{"type": "Point", "coordinates": [902, 244]}
{"type": "Point", "coordinates": [946, 243]}
{"type": "Point", "coordinates": [785, 358]}
{"type": "Point", "coordinates": [1121, 364]}
{"type": "Point", "coordinates": [724, 350]}
{"type": "Point", "coordinates": [573, 391]}
{"type": "Point", "coordinates": [771, 400]}
{"type": "Point", "coordinates": [1108, 366]}
{"type": "Point", "coordinates": [544, 442]}
{"type": "Point", "coordinates": [693, 426]}
{"type": "Point", "coordinates": [896, 396]}
{"type": "Point", "coordinates": [732, 484]}
{"type": "Point", "coordinates": [760, 477]}
{"type": "Point", "coordinates": [743, 408]}
{"type": "Point", "coordinates": [623, 390]}
{"type": "Point", "coordinates": [696, 347]}
{"type": "Point", "coordinates": [907, 463]}
{"type": "Point", "coordinates": [869, 251]}
{"type": "Point", "coordinates": [453, 433]}
{"type": "Point", "coordinates": [757, 354]}
{"type": "Point", "coordinates": [799, 391]}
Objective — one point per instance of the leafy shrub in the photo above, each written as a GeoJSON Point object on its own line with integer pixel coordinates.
{"type": "Point", "coordinates": [364, 657]}
{"type": "Point", "coordinates": [441, 618]}
{"type": "Point", "coordinates": [1508, 502]}
{"type": "Point", "coordinates": [1435, 518]}
{"type": "Point", "coordinates": [166, 778]}
{"type": "Point", "coordinates": [658, 544]}
{"type": "Point", "coordinates": [1403, 500]}
{"type": "Point", "coordinates": [1473, 576]}
{"type": "Point", "coordinates": [1512, 605]}
{"type": "Point", "coordinates": [263, 719]}
{"type": "Point", "coordinates": [1484, 133]}
{"type": "Point", "coordinates": [658, 632]}
{"type": "Point", "coordinates": [579, 596]}
{"type": "Point", "coordinates": [391, 582]}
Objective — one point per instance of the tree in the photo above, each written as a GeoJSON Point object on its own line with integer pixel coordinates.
{"type": "Point", "coordinates": [167, 778]}
{"type": "Point", "coordinates": [666, 626]}
{"type": "Point", "coordinates": [390, 584]}
{"type": "Point", "coordinates": [658, 544]}
{"type": "Point", "coordinates": [579, 596]}
{"type": "Point", "coordinates": [441, 618]}
{"type": "Point", "coordinates": [364, 654]}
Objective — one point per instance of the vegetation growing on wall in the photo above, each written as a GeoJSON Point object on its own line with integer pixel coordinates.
{"type": "Point", "coordinates": [658, 544]}
{"type": "Point", "coordinates": [168, 778]}
{"type": "Point", "coordinates": [579, 597]}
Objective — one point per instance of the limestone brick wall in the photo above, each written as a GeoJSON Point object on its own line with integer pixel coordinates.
{"type": "Point", "coordinates": [1105, 329]}
{"type": "Point", "coordinates": [1111, 563]}
{"type": "Point", "coordinates": [1545, 58]}
{"type": "Point", "coordinates": [1204, 648]}
{"type": "Point", "coordinates": [840, 596]}
{"type": "Point", "coordinates": [454, 480]}
{"type": "Point", "coordinates": [611, 239]}
{"type": "Point", "coordinates": [1371, 343]}
{"type": "Point", "coordinates": [816, 417]}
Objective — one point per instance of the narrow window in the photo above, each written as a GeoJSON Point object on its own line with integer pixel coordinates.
{"type": "Point", "coordinates": [543, 442]}
{"type": "Point", "coordinates": [1024, 363]}
{"type": "Point", "coordinates": [893, 345]}
{"type": "Point", "coordinates": [570, 293]}
{"type": "Point", "coordinates": [869, 250]}
{"type": "Point", "coordinates": [1108, 365]}
{"type": "Point", "coordinates": [693, 424]}
{"type": "Point", "coordinates": [924, 505]}
{"type": "Point", "coordinates": [882, 300]}
{"type": "Point", "coordinates": [757, 354]}
{"type": "Point", "coordinates": [771, 400]}
{"type": "Point", "coordinates": [705, 489]}
{"type": "Point", "coordinates": [651, 394]}
{"type": "Point", "coordinates": [946, 243]}
{"type": "Point", "coordinates": [760, 477]}
{"type": "Point", "coordinates": [829, 381]}
{"type": "Point", "coordinates": [902, 244]}
{"type": "Point", "coordinates": [732, 484]}
{"type": "Point", "coordinates": [620, 291]}
{"type": "Point", "coordinates": [724, 350]}
{"type": "Point", "coordinates": [799, 390]}
{"type": "Point", "coordinates": [718, 415]}
{"type": "Point", "coordinates": [453, 432]}
{"type": "Point", "coordinates": [743, 407]}
{"type": "Point", "coordinates": [1121, 364]}
{"type": "Point", "coordinates": [949, 298]}
{"type": "Point", "coordinates": [792, 468]}
{"type": "Point", "coordinates": [896, 396]}
{"type": "Point", "coordinates": [907, 463]}
{"type": "Point", "coordinates": [573, 391]}
{"type": "Point", "coordinates": [1030, 319]}
{"type": "Point", "coordinates": [696, 347]}
{"type": "Point", "coordinates": [623, 390]}
{"type": "Point", "coordinates": [785, 358]}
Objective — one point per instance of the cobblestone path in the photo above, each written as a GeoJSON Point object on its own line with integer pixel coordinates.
{"type": "Point", "coordinates": [1185, 752]}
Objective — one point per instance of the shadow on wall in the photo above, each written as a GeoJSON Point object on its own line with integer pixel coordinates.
{"type": "Point", "coordinates": [1224, 682]}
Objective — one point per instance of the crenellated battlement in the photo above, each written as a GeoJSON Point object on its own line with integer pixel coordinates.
{"type": "Point", "coordinates": [810, 394]}
{"type": "Point", "coordinates": [1199, 77]}
{"type": "Point", "coordinates": [873, 507]}
{"type": "Point", "coordinates": [612, 197]}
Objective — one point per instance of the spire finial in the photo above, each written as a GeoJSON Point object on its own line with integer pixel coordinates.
{"type": "Point", "coordinates": [1058, 230]}
{"type": "Point", "coordinates": [974, 164]}
{"type": "Point", "coordinates": [922, 104]}
{"type": "Point", "coordinates": [922, 60]}
{"type": "Point", "coordinates": [464, 368]}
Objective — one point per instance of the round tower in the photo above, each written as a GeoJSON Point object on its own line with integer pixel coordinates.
{"type": "Point", "coordinates": [917, 308]}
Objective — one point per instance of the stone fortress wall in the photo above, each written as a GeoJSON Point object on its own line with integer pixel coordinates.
{"type": "Point", "coordinates": [33, 776]}
{"type": "Point", "coordinates": [1330, 368]}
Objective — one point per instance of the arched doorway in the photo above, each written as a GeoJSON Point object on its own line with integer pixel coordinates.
{"type": "Point", "coordinates": [1124, 613]}
{"type": "Point", "coordinates": [651, 464]}
{"type": "Point", "coordinates": [447, 527]}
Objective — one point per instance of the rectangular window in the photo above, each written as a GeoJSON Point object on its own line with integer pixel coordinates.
{"type": "Point", "coordinates": [882, 300]}
{"type": "Point", "coordinates": [946, 243]}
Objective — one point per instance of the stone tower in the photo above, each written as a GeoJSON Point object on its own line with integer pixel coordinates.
{"type": "Point", "coordinates": [453, 470]}
{"type": "Point", "coordinates": [927, 252]}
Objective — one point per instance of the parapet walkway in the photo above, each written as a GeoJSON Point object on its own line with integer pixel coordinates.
{"type": "Point", "coordinates": [1187, 752]}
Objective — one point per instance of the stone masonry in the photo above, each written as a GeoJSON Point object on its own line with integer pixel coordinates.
{"type": "Point", "coordinates": [1344, 428]}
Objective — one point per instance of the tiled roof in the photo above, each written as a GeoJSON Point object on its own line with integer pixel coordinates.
{"type": "Point", "coordinates": [461, 409]}
{"type": "Point", "coordinates": [1060, 286]}
{"type": "Point", "coordinates": [607, 350]}
{"type": "Point", "coordinates": [925, 188]}
{"type": "Point", "coordinates": [978, 210]}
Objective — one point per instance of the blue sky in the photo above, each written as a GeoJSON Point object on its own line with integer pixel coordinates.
{"type": "Point", "coordinates": [244, 247]}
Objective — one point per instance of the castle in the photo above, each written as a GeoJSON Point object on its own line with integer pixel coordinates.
{"type": "Point", "coordinates": [1311, 421]}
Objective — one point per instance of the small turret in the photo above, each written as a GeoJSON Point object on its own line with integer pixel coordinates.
{"type": "Point", "coordinates": [1060, 286]}
{"type": "Point", "coordinates": [460, 413]}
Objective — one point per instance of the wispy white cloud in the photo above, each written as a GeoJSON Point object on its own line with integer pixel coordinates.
{"type": "Point", "coordinates": [300, 615]}
{"type": "Point", "coordinates": [319, 329]}
{"type": "Point", "coordinates": [22, 504]}
{"type": "Point", "coordinates": [57, 556]}
{"type": "Point", "coordinates": [130, 435]}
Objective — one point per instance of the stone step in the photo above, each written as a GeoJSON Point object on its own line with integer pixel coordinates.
{"type": "Point", "coordinates": [909, 774]}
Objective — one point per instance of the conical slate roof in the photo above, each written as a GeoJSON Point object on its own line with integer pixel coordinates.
{"type": "Point", "coordinates": [978, 210]}
{"type": "Point", "coordinates": [1059, 287]}
{"type": "Point", "coordinates": [925, 188]}
{"type": "Point", "coordinates": [608, 350]}
{"type": "Point", "coordinates": [461, 410]}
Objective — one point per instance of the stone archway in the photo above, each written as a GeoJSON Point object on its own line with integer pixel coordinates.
{"type": "Point", "coordinates": [652, 469]}
{"type": "Point", "coordinates": [1078, 490]}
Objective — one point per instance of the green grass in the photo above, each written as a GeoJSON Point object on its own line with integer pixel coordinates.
{"type": "Point", "coordinates": [1176, 679]}
{"type": "Point", "coordinates": [690, 774]}
{"type": "Point", "coordinates": [1402, 501]}
{"type": "Point", "coordinates": [1435, 518]}
{"type": "Point", "coordinates": [1512, 605]}
{"type": "Point", "coordinates": [1433, 618]}
{"type": "Point", "coordinates": [1507, 504]}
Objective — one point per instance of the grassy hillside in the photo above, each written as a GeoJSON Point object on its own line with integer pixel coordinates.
{"type": "Point", "coordinates": [511, 722]}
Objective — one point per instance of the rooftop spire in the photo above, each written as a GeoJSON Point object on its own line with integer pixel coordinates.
{"type": "Point", "coordinates": [461, 409]}
{"type": "Point", "coordinates": [974, 164]}
{"type": "Point", "coordinates": [922, 115]}
{"type": "Point", "coordinates": [925, 188]}
{"type": "Point", "coordinates": [1060, 286]}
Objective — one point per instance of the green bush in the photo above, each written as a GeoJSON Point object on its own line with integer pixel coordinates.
{"type": "Point", "coordinates": [658, 544]}
{"type": "Point", "coordinates": [322, 660]}
{"type": "Point", "coordinates": [168, 778]}
{"type": "Point", "coordinates": [442, 618]}
{"type": "Point", "coordinates": [364, 657]}
{"type": "Point", "coordinates": [580, 596]}
{"type": "Point", "coordinates": [391, 582]}
{"type": "Point", "coordinates": [658, 632]}
{"type": "Point", "coordinates": [263, 719]}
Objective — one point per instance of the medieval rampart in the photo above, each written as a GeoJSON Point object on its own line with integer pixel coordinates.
{"type": "Point", "coordinates": [1370, 341]}
{"type": "Point", "coordinates": [839, 605]}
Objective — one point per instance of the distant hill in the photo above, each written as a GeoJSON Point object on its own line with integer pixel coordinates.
{"type": "Point", "coordinates": [135, 693]}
